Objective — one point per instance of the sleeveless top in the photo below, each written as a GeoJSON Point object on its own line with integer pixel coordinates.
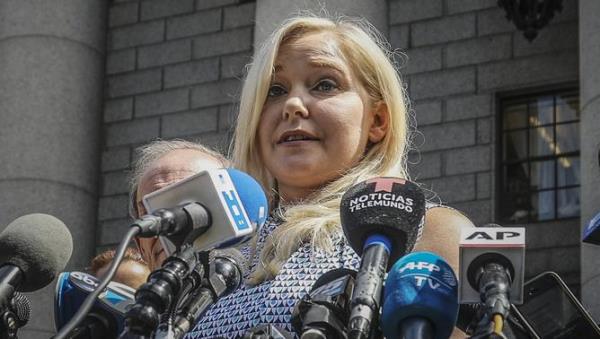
{"type": "Point", "coordinates": [272, 301]}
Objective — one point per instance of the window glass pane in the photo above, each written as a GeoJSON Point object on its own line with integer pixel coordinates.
{"type": "Point", "coordinates": [542, 205]}
{"type": "Point", "coordinates": [515, 116]}
{"type": "Point", "coordinates": [542, 174]}
{"type": "Point", "coordinates": [515, 207]}
{"type": "Point", "coordinates": [568, 171]}
{"type": "Point", "coordinates": [568, 202]}
{"type": "Point", "coordinates": [515, 145]}
{"type": "Point", "coordinates": [567, 138]}
{"type": "Point", "coordinates": [541, 111]}
{"type": "Point", "coordinates": [541, 141]}
{"type": "Point", "coordinates": [567, 107]}
{"type": "Point", "coordinates": [516, 178]}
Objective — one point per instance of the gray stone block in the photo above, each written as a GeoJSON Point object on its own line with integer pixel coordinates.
{"type": "Point", "coordinates": [131, 132]}
{"type": "Point", "coordinates": [114, 183]}
{"type": "Point", "coordinates": [552, 234]}
{"type": "Point", "coordinates": [227, 117]}
{"type": "Point", "coordinates": [134, 83]}
{"type": "Point", "coordinates": [424, 165]}
{"type": "Point", "coordinates": [467, 160]}
{"type": "Point", "coordinates": [452, 189]}
{"type": "Point", "coordinates": [152, 9]}
{"type": "Point", "coordinates": [164, 53]}
{"type": "Point", "coordinates": [550, 39]}
{"type": "Point", "coordinates": [423, 59]}
{"type": "Point", "coordinates": [484, 131]}
{"type": "Point", "coordinates": [443, 30]}
{"type": "Point", "coordinates": [162, 102]}
{"type": "Point", "coordinates": [559, 259]}
{"type": "Point", "coordinates": [468, 107]}
{"type": "Point", "coordinates": [217, 141]}
{"type": "Point", "coordinates": [204, 4]}
{"type": "Point", "coordinates": [478, 211]}
{"type": "Point", "coordinates": [190, 73]}
{"type": "Point", "coordinates": [194, 24]}
{"type": "Point", "coordinates": [226, 42]}
{"type": "Point", "coordinates": [493, 21]}
{"type": "Point", "coordinates": [405, 11]}
{"type": "Point", "coordinates": [484, 185]}
{"type": "Point", "coordinates": [479, 50]}
{"type": "Point", "coordinates": [76, 21]}
{"type": "Point", "coordinates": [51, 99]}
{"type": "Point", "coordinates": [122, 14]}
{"type": "Point", "coordinates": [112, 231]}
{"type": "Point", "coordinates": [114, 207]}
{"type": "Point", "coordinates": [536, 70]}
{"type": "Point", "coordinates": [400, 36]}
{"type": "Point", "coordinates": [216, 93]}
{"type": "Point", "coordinates": [428, 112]}
{"type": "Point", "coordinates": [120, 61]}
{"type": "Point", "coordinates": [118, 109]}
{"type": "Point", "coordinates": [136, 35]}
{"type": "Point", "coordinates": [189, 123]}
{"type": "Point", "coordinates": [442, 83]}
{"type": "Point", "coordinates": [238, 16]}
{"type": "Point", "coordinates": [448, 135]}
{"type": "Point", "coordinates": [459, 6]}
{"type": "Point", "coordinates": [117, 158]}
{"type": "Point", "coordinates": [234, 66]}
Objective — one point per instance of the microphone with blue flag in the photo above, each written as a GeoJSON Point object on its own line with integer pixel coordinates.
{"type": "Point", "coordinates": [420, 298]}
{"type": "Point", "coordinates": [106, 319]}
{"type": "Point", "coordinates": [591, 234]}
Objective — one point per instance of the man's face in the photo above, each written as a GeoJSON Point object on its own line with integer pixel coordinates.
{"type": "Point", "coordinates": [166, 170]}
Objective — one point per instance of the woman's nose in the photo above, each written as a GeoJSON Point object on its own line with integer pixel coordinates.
{"type": "Point", "coordinates": [295, 107]}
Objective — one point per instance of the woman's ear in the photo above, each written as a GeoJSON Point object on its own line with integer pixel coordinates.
{"type": "Point", "coordinates": [380, 123]}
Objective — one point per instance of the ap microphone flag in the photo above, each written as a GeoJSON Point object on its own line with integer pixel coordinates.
{"type": "Point", "coordinates": [591, 234]}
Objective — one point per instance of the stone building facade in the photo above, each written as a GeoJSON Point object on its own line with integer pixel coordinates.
{"type": "Point", "coordinates": [82, 84]}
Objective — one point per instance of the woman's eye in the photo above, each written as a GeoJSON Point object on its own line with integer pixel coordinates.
{"type": "Point", "coordinates": [275, 91]}
{"type": "Point", "coordinates": [326, 85]}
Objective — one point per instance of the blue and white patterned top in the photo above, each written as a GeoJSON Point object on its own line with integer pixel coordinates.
{"type": "Point", "coordinates": [272, 302]}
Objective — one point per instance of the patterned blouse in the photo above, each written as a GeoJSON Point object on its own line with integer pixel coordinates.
{"type": "Point", "coordinates": [272, 302]}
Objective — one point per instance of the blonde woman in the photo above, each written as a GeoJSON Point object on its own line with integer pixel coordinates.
{"type": "Point", "coordinates": [322, 108]}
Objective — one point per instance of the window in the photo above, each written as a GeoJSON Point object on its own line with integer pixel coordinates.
{"type": "Point", "coordinates": [539, 167]}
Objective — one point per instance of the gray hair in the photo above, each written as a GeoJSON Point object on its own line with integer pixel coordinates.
{"type": "Point", "coordinates": [147, 154]}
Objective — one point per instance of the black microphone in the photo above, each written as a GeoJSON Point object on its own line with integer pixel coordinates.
{"type": "Point", "coordinates": [492, 269]}
{"type": "Point", "coordinates": [225, 273]}
{"type": "Point", "coordinates": [33, 249]}
{"type": "Point", "coordinates": [15, 316]}
{"type": "Point", "coordinates": [324, 311]}
{"type": "Point", "coordinates": [382, 219]}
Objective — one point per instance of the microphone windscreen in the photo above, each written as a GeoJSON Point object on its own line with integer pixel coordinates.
{"type": "Point", "coordinates": [40, 245]}
{"type": "Point", "coordinates": [420, 284]}
{"type": "Point", "coordinates": [252, 197]}
{"type": "Point", "coordinates": [392, 207]}
{"type": "Point", "coordinates": [232, 254]}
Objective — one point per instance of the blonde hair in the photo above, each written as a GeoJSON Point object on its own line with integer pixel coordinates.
{"type": "Point", "coordinates": [316, 219]}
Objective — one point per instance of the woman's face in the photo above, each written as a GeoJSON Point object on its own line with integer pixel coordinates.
{"type": "Point", "coordinates": [317, 117]}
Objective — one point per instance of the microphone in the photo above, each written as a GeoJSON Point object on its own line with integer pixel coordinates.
{"type": "Point", "coordinates": [492, 269]}
{"type": "Point", "coordinates": [212, 209]}
{"type": "Point", "coordinates": [591, 234]}
{"type": "Point", "coordinates": [105, 319]}
{"type": "Point", "coordinates": [323, 312]}
{"type": "Point", "coordinates": [420, 298]}
{"type": "Point", "coordinates": [225, 273]}
{"type": "Point", "coordinates": [33, 249]}
{"type": "Point", "coordinates": [15, 316]}
{"type": "Point", "coordinates": [382, 219]}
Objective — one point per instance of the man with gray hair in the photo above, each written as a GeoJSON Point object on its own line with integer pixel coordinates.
{"type": "Point", "coordinates": [159, 164]}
